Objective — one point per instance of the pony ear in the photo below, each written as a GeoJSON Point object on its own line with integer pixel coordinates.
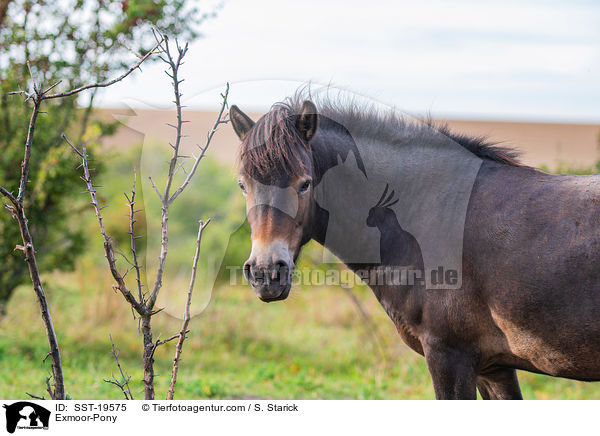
{"type": "Point", "coordinates": [240, 121]}
{"type": "Point", "coordinates": [306, 123]}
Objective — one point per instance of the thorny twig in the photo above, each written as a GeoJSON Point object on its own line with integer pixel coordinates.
{"type": "Point", "coordinates": [38, 95]}
{"type": "Point", "coordinates": [124, 383]}
{"type": "Point", "coordinates": [158, 342]}
{"type": "Point", "coordinates": [145, 306]}
{"type": "Point", "coordinates": [174, 65]}
{"type": "Point", "coordinates": [165, 197]}
{"type": "Point", "coordinates": [220, 120]}
{"type": "Point", "coordinates": [186, 313]}
{"type": "Point", "coordinates": [107, 82]}
{"type": "Point", "coordinates": [133, 238]}
{"type": "Point", "coordinates": [109, 251]}
{"type": "Point", "coordinates": [49, 389]}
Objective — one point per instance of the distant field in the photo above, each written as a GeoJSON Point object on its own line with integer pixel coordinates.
{"type": "Point", "coordinates": [548, 144]}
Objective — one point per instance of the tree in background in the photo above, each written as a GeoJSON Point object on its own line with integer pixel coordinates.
{"type": "Point", "coordinates": [76, 41]}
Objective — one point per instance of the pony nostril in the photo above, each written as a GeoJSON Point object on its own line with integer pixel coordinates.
{"type": "Point", "coordinates": [248, 272]}
{"type": "Point", "coordinates": [279, 272]}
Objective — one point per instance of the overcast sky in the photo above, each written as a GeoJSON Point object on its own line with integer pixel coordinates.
{"type": "Point", "coordinates": [530, 60]}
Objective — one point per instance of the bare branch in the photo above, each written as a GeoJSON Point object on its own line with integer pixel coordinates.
{"type": "Point", "coordinates": [174, 65]}
{"type": "Point", "coordinates": [75, 149]}
{"type": "Point", "coordinates": [132, 238]}
{"type": "Point", "coordinates": [50, 88]}
{"type": "Point", "coordinates": [8, 195]}
{"type": "Point", "coordinates": [35, 396]}
{"type": "Point", "coordinates": [158, 342]}
{"type": "Point", "coordinates": [115, 382]}
{"type": "Point", "coordinates": [129, 49]}
{"type": "Point", "coordinates": [20, 92]}
{"type": "Point", "coordinates": [28, 144]}
{"type": "Point", "coordinates": [105, 83]}
{"type": "Point", "coordinates": [109, 251]}
{"type": "Point", "coordinates": [186, 313]}
{"type": "Point", "coordinates": [124, 384]}
{"type": "Point", "coordinates": [35, 87]}
{"type": "Point", "coordinates": [220, 120]}
{"type": "Point", "coordinates": [49, 389]}
{"type": "Point", "coordinates": [146, 300]}
{"type": "Point", "coordinates": [148, 355]}
{"type": "Point", "coordinates": [155, 188]}
{"type": "Point", "coordinates": [18, 211]}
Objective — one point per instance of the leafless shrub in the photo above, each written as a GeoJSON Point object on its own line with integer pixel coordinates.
{"type": "Point", "coordinates": [144, 303]}
{"type": "Point", "coordinates": [16, 206]}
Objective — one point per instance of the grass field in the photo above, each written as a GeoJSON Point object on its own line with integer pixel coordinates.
{"type": "Point", "coordinates": [312, 346]}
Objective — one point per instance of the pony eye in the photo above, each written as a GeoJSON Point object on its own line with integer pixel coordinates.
{"type": "Point", "coordinates": [242, 187]}
{"type": "Point", "coordinates": [305, 186]}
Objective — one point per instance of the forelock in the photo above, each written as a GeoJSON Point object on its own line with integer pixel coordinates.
{"type": "Point", "coordinates": [273, 147]}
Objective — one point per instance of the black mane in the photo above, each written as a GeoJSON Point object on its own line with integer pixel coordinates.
{"type": "Point", "coordinates": [273, 143]}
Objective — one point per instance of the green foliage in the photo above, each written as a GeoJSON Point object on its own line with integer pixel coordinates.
{"type": "Point", "coordinates": [75, 42]}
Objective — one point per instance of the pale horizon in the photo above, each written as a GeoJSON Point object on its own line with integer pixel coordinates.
{"type": "Point", "coordinates": [509, 60]}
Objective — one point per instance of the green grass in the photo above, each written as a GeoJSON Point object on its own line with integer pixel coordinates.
{"type": "Point", "coordinates": [311, 346]}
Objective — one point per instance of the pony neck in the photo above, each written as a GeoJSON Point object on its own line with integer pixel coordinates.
{"type": "Point", "coordinates": [431, 175]}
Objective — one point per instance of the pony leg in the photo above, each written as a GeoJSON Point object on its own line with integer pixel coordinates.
{"type": "Point", "coordinates": [452, 372]}
{"type": "Point", "coordinates": [499, 384]}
